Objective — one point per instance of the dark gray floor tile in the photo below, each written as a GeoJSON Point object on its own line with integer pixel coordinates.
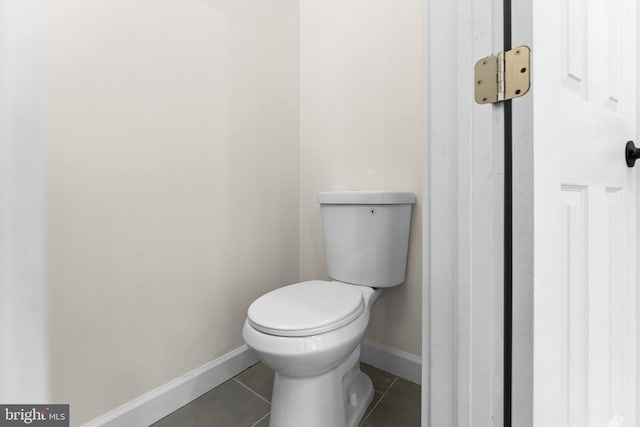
{"type": "Point", "coordinates": [229, 404]}
{"type": "Point", "coordinates": [381, 380]}
{"type": "Point", "coordinates": [399, 407]}
{"type": "Point", "coordinates": [258, 378]}
{"type": "Point", "coordinates": [236, 404]}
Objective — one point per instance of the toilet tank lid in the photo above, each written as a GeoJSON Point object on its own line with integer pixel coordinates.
{"type": "Point", "coordinates": [358, 197]}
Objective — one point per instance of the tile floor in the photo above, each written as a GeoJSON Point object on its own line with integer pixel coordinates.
{"type": "Point", "coordinates": [244, 401]}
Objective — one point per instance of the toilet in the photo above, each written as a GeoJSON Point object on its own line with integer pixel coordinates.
{"type": "Point", "coordinates": [310, 333]}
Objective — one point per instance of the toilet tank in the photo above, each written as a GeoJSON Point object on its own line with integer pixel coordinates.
{"type": "Point", "coordinates": [366, 235]}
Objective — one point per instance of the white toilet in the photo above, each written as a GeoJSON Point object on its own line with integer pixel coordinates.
{"type": "Point", "coordinates": [309, 333]}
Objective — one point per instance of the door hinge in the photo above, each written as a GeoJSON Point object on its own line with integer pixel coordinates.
{"type": "Point", "coordinates": [503, 76]}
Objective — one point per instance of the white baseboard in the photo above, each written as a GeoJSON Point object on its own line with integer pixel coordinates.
{"type": "Point", "coordinates": [162, 401]}
{"type": "Point", "coordinates": [396, 362]}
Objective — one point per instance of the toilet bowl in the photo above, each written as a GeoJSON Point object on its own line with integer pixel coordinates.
{"type": "Point", "coordinates": [311, 366]}
{"type": "Point", "coordinates": [310, 333]}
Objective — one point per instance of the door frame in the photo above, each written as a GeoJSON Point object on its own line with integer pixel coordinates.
{"type": "Point", "coordinates": [24, 361]}
{"type": "Point", "coordinates": [523, 223]}
{"type": "Point", "coordinates": [463, 238]}
{"type": "Point", "coordinates": [451, 121]}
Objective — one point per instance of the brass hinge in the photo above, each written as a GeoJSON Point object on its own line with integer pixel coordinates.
{"type": "Point", "coordinates": [503, 76]}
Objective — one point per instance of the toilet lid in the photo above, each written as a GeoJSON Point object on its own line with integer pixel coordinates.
{"type": "Point", "coordinates": [306, 308]}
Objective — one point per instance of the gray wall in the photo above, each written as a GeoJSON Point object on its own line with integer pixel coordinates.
{"type": "Point", "coordinates": [173, 185]}
{"type": "Point", "coordinates": [361, 127]}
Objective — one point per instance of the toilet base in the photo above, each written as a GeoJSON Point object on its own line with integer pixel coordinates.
{"type": "Point", "coordinates": [337, 398]}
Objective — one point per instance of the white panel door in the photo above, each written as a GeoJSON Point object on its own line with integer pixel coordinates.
{"type": "Point", "coordinates": [585, 285]}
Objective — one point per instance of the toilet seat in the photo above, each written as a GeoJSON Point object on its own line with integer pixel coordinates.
{"type": "Point", "coordinates": [306, 308]}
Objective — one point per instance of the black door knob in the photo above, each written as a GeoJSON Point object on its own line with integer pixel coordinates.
{"type": "Point", "coordinates": [631, 153]}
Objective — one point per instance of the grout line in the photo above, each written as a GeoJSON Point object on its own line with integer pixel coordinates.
{"type": "Point", "coordinates": [384, 393]}
{"type": "Point", "coordinates": [247, 387]}
{"type": "Point", "coordinates": [263, 417]}
{"type": "Point", "coordinates": [378, 402]}
{"type": "Point", "coordinates": [390, 385]}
